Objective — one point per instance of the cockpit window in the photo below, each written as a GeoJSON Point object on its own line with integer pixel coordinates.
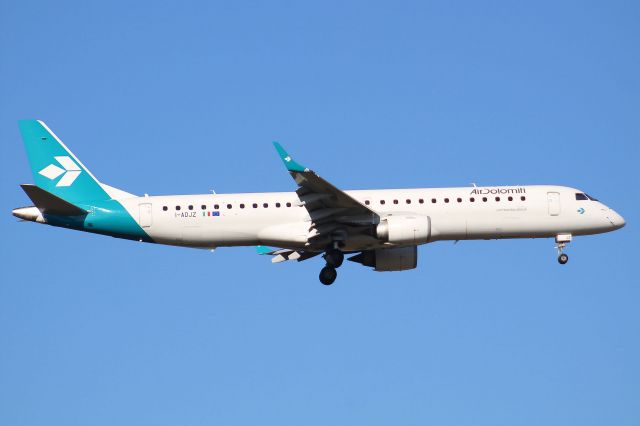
{"type": "Point", "coordinates": [583, 196]}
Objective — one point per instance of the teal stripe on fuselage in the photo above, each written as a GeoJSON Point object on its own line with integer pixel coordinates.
{"type": "Point", "coordinates": [107, 217]}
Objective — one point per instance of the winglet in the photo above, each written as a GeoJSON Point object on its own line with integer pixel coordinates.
{"type": "Point", "coordinates": [289, 163]}
{"type": "Point", "coordinates": [263, 250]}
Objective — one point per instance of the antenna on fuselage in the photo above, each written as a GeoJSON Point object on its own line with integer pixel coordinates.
{"type": "Point", "coordinates": [474, 184]}
{"type": "Point", "coordinates": [213, 191]}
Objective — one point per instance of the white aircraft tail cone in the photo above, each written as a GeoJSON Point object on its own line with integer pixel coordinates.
{"type": "Point", "coordinates": [32, 214]}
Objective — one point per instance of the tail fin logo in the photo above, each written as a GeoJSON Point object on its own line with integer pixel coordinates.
{"type": "Point", "coordinates": [69, 172]}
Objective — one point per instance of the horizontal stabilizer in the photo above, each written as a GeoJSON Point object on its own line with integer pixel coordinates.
{"type": "Point", "coordinates": [49, 204]}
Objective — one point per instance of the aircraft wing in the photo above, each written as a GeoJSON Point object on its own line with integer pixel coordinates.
{"type": "Point", "coordinates": [334, 215]}
{"type": "Point", "coordinates": [282, 255]}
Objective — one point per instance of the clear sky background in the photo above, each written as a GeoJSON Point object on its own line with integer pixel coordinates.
{"type": "Point", "coordinates": [186, 97]}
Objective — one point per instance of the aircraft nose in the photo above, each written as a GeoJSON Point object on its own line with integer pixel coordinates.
{"type": "Point", "coordinates": [616, 219]}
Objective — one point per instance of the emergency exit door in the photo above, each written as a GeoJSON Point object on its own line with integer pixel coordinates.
{"type": "Point", "coordinates": [146, 218]}
{"type": "Point", "coordinates": [553, 203]}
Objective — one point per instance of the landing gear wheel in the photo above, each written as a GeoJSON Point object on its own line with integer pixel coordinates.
{"type": "Point", "coordinates": [561, 242]}
{"type": "Point", "coordinates": [334, 258]}
{"type": "Point", "coordinates": [328, 275]}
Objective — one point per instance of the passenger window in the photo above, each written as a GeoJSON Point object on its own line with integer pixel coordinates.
{"type": "Point", "coordinates": [408, 201]}
{"type": "Point", "coordinates": [216, 207]}
{"type": "Point", "coordinates": [265, 205]}
{"type": "Point", "coordinates": [165, 208]}
{"type": "Point", "coordinates": [581, 197]}
{"type": "Point", "coordinates": [421, 201]}
{"type": "Point", "coordinates": [523, 198]}
{"type": "Point", "coordinates": [229, 206]}
{"type": "Point", "coordinates": [203, 207]}
{"type": "Point", "coordinates": [190, 207]}
{"type": "Point", "coordinates": [177, 207]}
{"type": "Point", "coordinates": [446, 200]}
{"type": "Point", "coordinates": [242, 206]}
{"type": "Point", "coordinates": [459, 200]}
{"type": "Point", "coordinates": [510, 198]}
{"type": "Point", "coordinates": [255, 206]}
{"type": "Point", "coordinates": [472, 199]}
{"type": "Point", "coordinates": [278, 205]}
{"type": "Point", "coordinates": [381, 201]}
{"type": "Point", "coordinates": [288, 204]}
{"type": "Point", "coordinates": [433, 200]}
{"type": "Point", "coordinates": [395, 201]}
{"type": "Point", "coordinates": [367, 202]}
{"type": "Point", "coordinates": [497, 198]}
{"type": "Point", "coordinates": [484, 199]}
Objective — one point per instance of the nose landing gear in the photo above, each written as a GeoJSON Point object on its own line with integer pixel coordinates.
{"type": "Point", "coordinates": [334, 258]}
{"type": "Point", "coordinates": [561, 242]}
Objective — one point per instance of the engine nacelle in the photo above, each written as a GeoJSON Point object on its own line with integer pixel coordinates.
{"type": "Point", "coordinates": [405, 229]}
{"type": "Point", "coordinates": [392, 259]}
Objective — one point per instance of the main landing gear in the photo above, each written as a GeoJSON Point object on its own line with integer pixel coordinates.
{"type": "Point", "coordinates": [334, 259]}
{"type": "Point", "coordinates": [561, 242]}
{"type": "Point", "coordinates": [328, 275]}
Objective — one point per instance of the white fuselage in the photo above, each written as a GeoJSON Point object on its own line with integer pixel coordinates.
{"type": "Point", "coordinates": [279, 219]}
{"type": "Point", "coordinates": [381, 228]}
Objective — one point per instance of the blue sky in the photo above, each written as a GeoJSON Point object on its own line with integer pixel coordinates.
{"type": "Point", "coordinates": [185, 97]}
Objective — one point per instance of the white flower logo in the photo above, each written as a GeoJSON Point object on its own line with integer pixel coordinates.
{"type": "Point", "coordinates": [71, 171]}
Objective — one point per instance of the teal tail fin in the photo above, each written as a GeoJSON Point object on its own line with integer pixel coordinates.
{"type": "Point", "coordinates": [55, 169]}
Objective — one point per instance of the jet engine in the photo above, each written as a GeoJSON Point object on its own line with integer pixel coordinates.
{"type": "Point", "coordinates": [404, 229]}
{"type": "Point", "coordinates": [392, 259]}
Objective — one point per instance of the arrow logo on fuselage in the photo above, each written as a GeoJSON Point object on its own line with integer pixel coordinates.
{"type": "Point", "coordinates": [70, 172]}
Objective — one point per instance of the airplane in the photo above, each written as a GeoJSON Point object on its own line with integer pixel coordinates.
{"type": "Point", "coordinates": [380, 229]}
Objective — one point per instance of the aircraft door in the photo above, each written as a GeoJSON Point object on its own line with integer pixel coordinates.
{"type": "Point", "coordinates": [145, 214]}
{"type": "Point", "coordinates": [553, 203]}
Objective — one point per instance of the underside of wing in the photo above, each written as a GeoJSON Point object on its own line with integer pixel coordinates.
{"type": "Point", "coordinates": [283, 255]}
